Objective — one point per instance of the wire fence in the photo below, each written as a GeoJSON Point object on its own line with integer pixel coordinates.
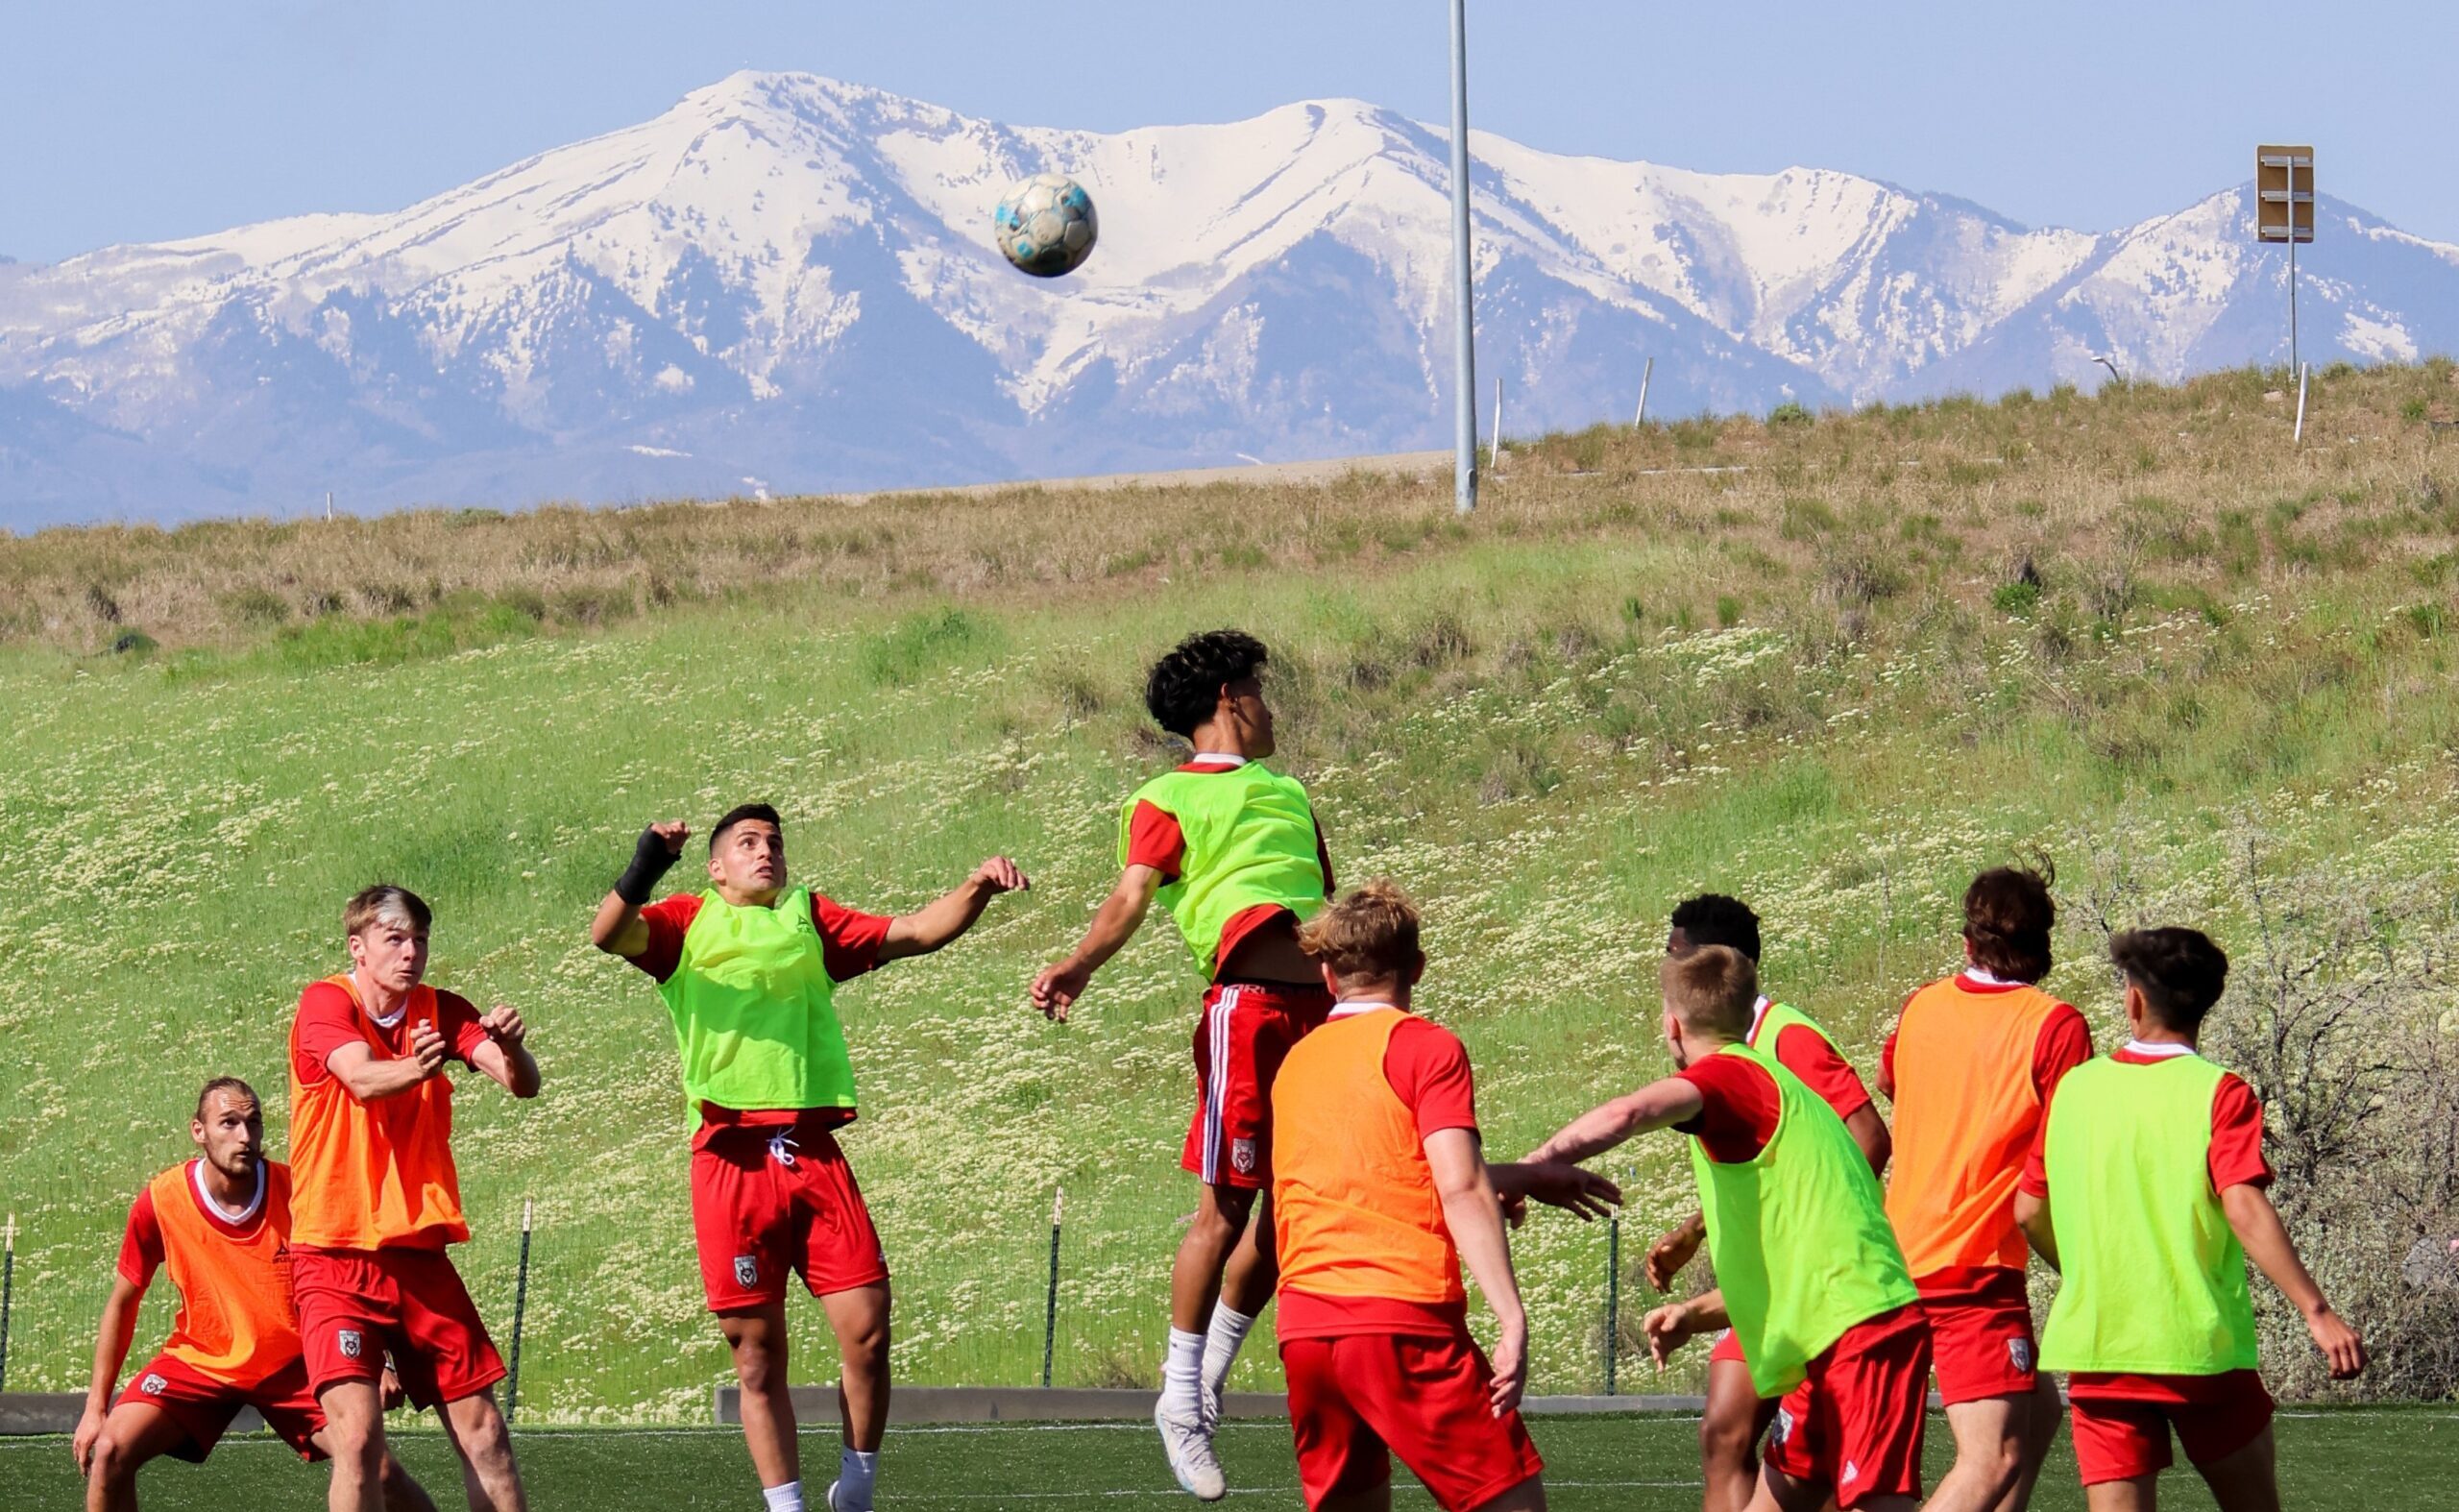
{"type": "Point", "coordinates": [605, 1323]}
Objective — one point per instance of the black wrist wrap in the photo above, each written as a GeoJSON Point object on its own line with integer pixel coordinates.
{"type": "Point", "coordinates": [650, 860]}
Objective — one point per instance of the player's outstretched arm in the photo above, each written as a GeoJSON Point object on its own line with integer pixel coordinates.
{"type": "Point", "coordinates": [1474, 1214]}
{"type": "Point", "coordinates": [944, 918]}
{"type": "Point", "coordinates": [618, 929]}
{"type": "Point", "coordinates": [1659, 1105]}
{"type": "Point", "coordinates": [118, 1331]}
{"type": "Point", "coordinates": [504, 1056]}
{"type": "Point", "coordinates": [1114, 923]}
{"type": "Point", "coordinates": [1582, 1193]}
{"type": "Point", "coordinates": [2257, 1226]}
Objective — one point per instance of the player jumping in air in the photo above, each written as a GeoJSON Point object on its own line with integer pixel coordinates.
{"type": "Point", "coordinates": [1972, 1065]}
{"type": "Point", "coordinates": [1813, 1283]}
{"type": "Point", "coordinates": [748, 968]}
{"type": "Point", "coordinates": [2146, 1190]}
{"type": "Point", "coordinates": [1234, 851]}
{"type": "Point", "coordinates": [1736, 1416]}
{"type": "Point", "coordinates": [376, 1197]}
{"type": "Point", "coordinates": [1379, 1192]}
{"type": "Point", "coordinates": [221, 1223]}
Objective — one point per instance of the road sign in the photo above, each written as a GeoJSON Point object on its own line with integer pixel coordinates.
{"type": "Point", "coordinates": [2284, 193]}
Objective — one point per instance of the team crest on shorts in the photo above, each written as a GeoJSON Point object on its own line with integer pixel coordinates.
{"type": "Point", "coordinates": [2019, 1354]}
{"type": "Point", "coordinates": [349, 1342]}
{"type": "Point", "coordinates": [1784, 1424]}
{"type": "Point", "coordinates": [1242, 1157]}
{"type": "Point", "coordinates": [152, 1385]}
{"type": "Point", "coordinates": [747, 1270]}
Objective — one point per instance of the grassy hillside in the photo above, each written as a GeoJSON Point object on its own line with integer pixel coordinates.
{"type": "Point", "coordinates": [2206, 675]}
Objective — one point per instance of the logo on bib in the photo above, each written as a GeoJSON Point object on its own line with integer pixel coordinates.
{"type": "Point", "coordinates": [2019, 1353]}
{"type": "Point", "coordinates": [747, 1270]}
{"type": "Point", "coordinates": [152, 1385]}
{"type": "Point", "coordinates": [349, 1342]}
{"type": "Point", "coordinates": [1242, 1157]}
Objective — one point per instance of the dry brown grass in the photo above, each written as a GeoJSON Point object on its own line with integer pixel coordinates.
{"type": "Point", "coordinates": [2201, 472]}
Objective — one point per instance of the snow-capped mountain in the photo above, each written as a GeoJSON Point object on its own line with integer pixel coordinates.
{"type": "Point", "coordinates": [786, 282]}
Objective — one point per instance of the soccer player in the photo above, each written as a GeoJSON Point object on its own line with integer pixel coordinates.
{"type": "Point", "coordinates": [221, 1223]}
{"type": "Point", "coordinates": [2146, 1190]}
{"type": "Point", "coordinates": [1232, 849]}
{"type": "Point", "coordinates": [1812, 1281]}
{"type": "Point", "coordinates": [1380, 1191]}
{"type": "Point", "coordinates": [1736, 1416]}
{"type": "Point", "coordinates": [375, 1198]}
{"type": "Point", "coordinates": [1973, 1064]}
{"type": "Point", "coordinates": [748, 967]}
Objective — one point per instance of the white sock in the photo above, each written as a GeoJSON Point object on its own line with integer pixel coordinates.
{"type": "Point", "coordinates": [788, 1497]}
{"type": "Point", "coordinates": [1182, 1372]}
{"type": "Point", "coordinates": [856, 1471]}
{"type": "Point", "coordinates": [1221, 1344]}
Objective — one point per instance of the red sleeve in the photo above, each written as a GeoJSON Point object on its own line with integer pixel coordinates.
{"type": "Point", "coordinates": [457, 1019]}
{"type": "Point", "coordinates": [328, 1020]}
{"type": "Point", "coordinates": [2034, 1179]}
{"type": "Point", "coordinates": [1803, 1053]}
{"type": "Point", "coordinates": [1428, 1068]}
{"type": "Point", "coordinates": [1154, 840]}
{"type": "Point", "coordinates": [668, 919]}
{"type": "Point", "coordinates": [2236, 1155]}
{"type": "Point", "coordinates": [1887, 1061]}
{"type": "Point", "coordinates": [140, 1249]}
{"type": "Point", "coordinates": [849, 940]}
{"type": "Point", "coordinates": [1324, 854]}
{"type": "Point", "coordinates": [1741, 1108]}
{"type": "Point", "coordinates": [2065, 1042]}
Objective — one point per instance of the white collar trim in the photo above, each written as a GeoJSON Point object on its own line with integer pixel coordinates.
{"type": "Point", "coordinates": [2160, 1052]}
{"type": "Point", "coordinates": [358, 990]}
{"type": "Point", "coordinates": [1217, 759]}
{"type": "Point", "coordinates": [1985, 977]}
{"type": "Point", "coordinates": [256, 1203]}
{"type": "Point", "coordinates": [1347, 1009]}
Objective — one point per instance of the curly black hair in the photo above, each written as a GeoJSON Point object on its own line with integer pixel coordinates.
{"type": "Point", "coordinates": [2008, 916]}
{"type": "Point", "coordinates": [1713, 919]}
{"type": "Point", "coordinates": [2180, 971]}
{"type": "Point", "coordinates": [1185, 686]}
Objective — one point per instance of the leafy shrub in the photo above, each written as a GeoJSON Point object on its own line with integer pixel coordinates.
{"type": "Point", "coordinates": [1789, 413]}
{"type": "Point", "coordinates": [921, 643]}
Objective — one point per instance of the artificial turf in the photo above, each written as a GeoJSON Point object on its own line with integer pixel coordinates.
{"type": "Point", "coordinates": [2386, 1460]}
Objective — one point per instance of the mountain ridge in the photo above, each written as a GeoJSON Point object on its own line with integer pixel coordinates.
{"type": "Point", "coordinates": [785, 283]}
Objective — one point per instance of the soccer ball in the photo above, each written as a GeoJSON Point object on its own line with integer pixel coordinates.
{"type": "Point", "coordinates": [1045, 225]}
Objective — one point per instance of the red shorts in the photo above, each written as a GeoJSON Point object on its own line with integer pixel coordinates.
{"type": "Point", "coordinates": [770, 1200]}
{"type": "Point", "coordinates": [203, 1407]}
{"type": "Point", "coordinates": [1728, 1348]}
{"type": "Point", "coordinates": [356, 1306]}
{"type": "Point", "coordinates": [1981, 1338]}
{"type": "Point", "coordinates": [2126, 1433]}
{"type": "Point", "coordinates": [1246, 1032]}
{"type": "Point", "coordinates": [1856, 1423]}
{"type": "Point", "coordinates": [1357, 1399]}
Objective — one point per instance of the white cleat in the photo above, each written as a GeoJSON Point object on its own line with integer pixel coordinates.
{"type": "Point", "coordinates": [833, 1504]}
{"type": "Point", "coordinates": [1189, 1449]}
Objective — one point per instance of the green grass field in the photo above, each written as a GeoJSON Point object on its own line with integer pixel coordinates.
{"type": "Point", "coordinates": [2391, 1460]}
{"type": "Point", "coordinates": [2211, 679]}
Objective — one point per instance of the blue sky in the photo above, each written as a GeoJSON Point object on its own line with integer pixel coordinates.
{"type": "Point", "coordinates": [141, 121]}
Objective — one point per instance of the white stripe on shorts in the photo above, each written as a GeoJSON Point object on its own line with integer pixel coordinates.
{"type": "Point", "coordinates": [1216, 1091]}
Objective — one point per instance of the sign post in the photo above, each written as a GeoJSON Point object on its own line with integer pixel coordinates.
{"type": "Point", "coordinates": [2284, 212]}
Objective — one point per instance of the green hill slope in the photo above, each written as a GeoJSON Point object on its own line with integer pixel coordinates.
{"type": "Point", "coordinates": [2208, 676]}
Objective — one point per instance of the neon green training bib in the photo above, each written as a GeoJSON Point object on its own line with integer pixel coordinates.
{"type": "Point", "coordinates": [1799, 1237]}
{"type": "Point", "coordinates": [1251, 841]}
{"type": "Point", "coordinates": [2154, 1278]}
{"type": "Point", "coordinates": [755, 1012]}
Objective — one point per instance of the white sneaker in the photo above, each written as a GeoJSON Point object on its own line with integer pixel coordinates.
{"type": "Point", "coordinates": [1189, 1449]}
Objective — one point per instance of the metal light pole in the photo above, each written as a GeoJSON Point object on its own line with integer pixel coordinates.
{"type": "Point", "coordinates": [1464, 440]}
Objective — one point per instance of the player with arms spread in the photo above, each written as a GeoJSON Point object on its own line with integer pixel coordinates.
{"type": "Point", "coordinates": [1973, 1065]}
{"type": "Point", "coordinates": [221, 1225]}
{"type": "Point", "coordinates": [1736, 1416]}
{"type": "Point", "coordinates": [1813, 1283]}
{"type": "Point", "coordinates": [376, 1197]}
{"type": "Point", "coordinates": [748, 968]}
{"type": "Point", "coordinates": [1234, 851]}
{"type": "Point", "coordinates": [2146, 1188]}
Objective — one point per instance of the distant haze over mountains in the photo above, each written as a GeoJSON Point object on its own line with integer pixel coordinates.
{"type": "Point", "coordinates": [787, 283]}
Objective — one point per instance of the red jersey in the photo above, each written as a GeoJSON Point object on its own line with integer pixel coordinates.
{"type": "Point", "coordinates": [1739, 1108]}
{"type": "Point", "coordinates": [1802, 1051]}
{"type": "Point", "coordinates": [2236, 1155]}
{"type": "Point", "coordinates": [330, 1018]}
{"type": "Point", "coordinates": [1154, 840]}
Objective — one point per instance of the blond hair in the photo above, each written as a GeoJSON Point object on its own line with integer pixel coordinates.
{"type": "Point", "coordinates": [384, 903]}
{"type": "Point", "coordinates": [1713, 989]}
{"type": "Point", "coordinates": [1369, 935]}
